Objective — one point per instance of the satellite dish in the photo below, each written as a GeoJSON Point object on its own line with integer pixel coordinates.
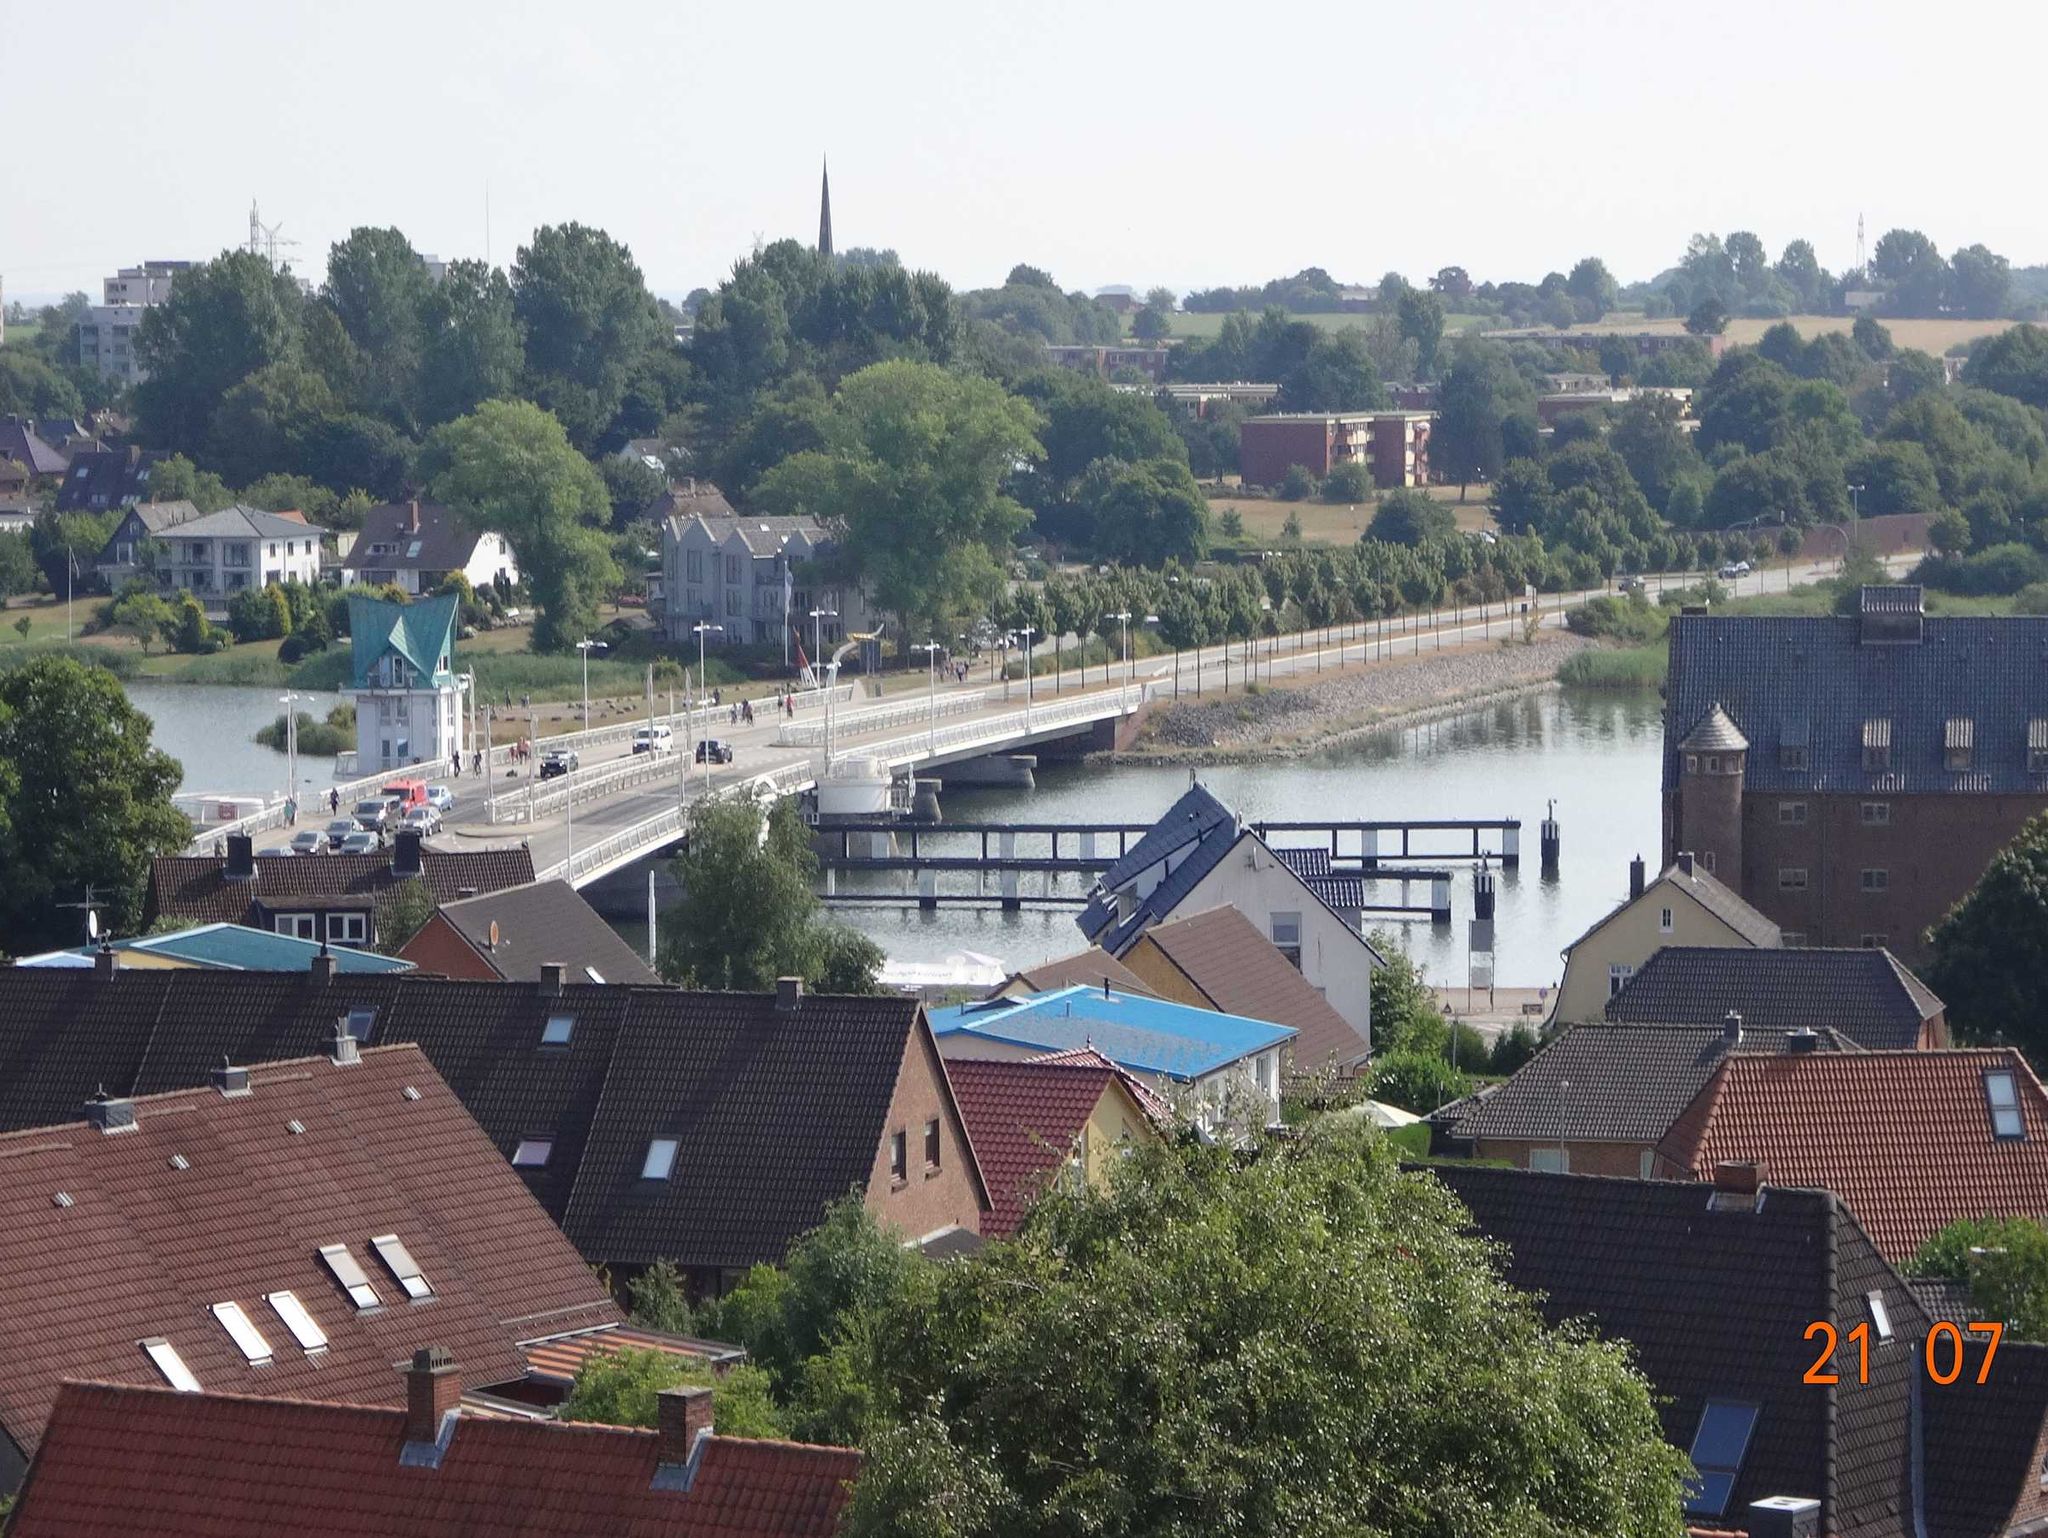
{"type": "Point", "coordinates": [494, 934]}
{"type": "Point", "coordinates": [92, 925]}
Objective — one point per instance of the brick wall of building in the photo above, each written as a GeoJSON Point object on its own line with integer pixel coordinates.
{"type": "Point", "coordinates": [439, 948]}
{"type": "Point", "coordinates": [1266, 449]}
{"type": "Point", "coordinates": [1623, 1159]}
{"type": "Point", "coordinates": [927, 1199]}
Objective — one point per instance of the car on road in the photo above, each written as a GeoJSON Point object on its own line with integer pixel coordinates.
{"type": "Point", "coordinates": [559, 761]}
{"type": "Point", "coordinates": [373, 815]}
{"type": "Point", "coordinates": [653, 739]}
{"type": "Point", "coordinates": [308, 841]}
{"type": "Point", "coordinates": [714, 750]}
{"type": "Point", "coordinates": [339, 829]}
{"type": "Point", "coordinates": [441, 798]}
{"type": "Point", "coordinates": [358, 843]}
{"type": "Point", "coordinates": [1632, 584]}
{"type": "Point", "coordinates": [1733, 570]}
{"type": "Point", "coordinates": [423, 820]}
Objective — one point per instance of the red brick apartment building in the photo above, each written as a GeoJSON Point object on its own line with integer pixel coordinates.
{"type": "Point", "coordinates": [1852, 776]}
{"type": "Point", "coordinates": [1394, 445]}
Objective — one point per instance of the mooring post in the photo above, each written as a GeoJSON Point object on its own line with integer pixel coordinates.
{"type": "Point", "coordinates": [1482, 892]}
{"type": "Point", "coordinates": [1550, 841]}
{"type": "Point", "coordinates": [928, 889]}
{"type": "Point", "coordinates": [1440, 898]}
{"type": "Point", "coordinates": [1511, 846]}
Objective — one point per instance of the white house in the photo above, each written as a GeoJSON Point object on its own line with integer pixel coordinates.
{"type": "Point", "coordinates": [1198, 856]}
{"type": "Point", "coordinates": [221, 554]}
{"type": "Point", "coordinates": [417, 546]}
{"type": "Point", "coordinates": [741, 572]}
{"type": "Point", "coordinates": [409, 707]}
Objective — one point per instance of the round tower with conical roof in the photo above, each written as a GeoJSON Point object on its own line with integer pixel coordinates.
{"type": "Point", "coordinates": [1712, 758]}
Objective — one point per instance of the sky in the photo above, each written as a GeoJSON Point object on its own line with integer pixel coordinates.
{"type": "Point", "coordinates": [1188, 145]}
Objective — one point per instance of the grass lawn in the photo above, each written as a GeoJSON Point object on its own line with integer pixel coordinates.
{"type": "Point", "coordinates": [1335, 523]}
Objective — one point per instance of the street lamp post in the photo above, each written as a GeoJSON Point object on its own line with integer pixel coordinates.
{"type": "Point", "coordinates": [1027, 632]}
{"type": "Point", "coordinates": [291, 743]}
{"type": "Point", "coordinates": [1123, 618]}
{"type": "Point", "coordinates": [587, 646]}
{"type": "Point", "coordinates": [931, 650]}
{"type": "Point", "coordinates": [818, 618]}
{"type": "Point", "coordinates": [703, 629]}
{"type": "Point", "coordinates": [1856, 500]}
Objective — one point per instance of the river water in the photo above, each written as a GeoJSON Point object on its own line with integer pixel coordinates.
{"type": "Point", "coordinates": [211, 730]}
{"type": "Point", "coordinates": [1595, 753]}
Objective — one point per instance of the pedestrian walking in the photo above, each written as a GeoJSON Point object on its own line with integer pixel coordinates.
{"type": "Point", "coordinates": [333, 802]}
{"type": "Point", "coordinates": [476, 761]}
{"type": "Point", "coordinates": [291, 811]}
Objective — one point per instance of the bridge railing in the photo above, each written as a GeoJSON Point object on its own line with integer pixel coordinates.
{"type": "Point", "coordinates": [700, 719]}
{"type": "Point", "coordinates": [1014, 723]}
{"type": "Point", "coordinates": [665, 826]}
{"type": "Point", "coordinates": [811, 734]}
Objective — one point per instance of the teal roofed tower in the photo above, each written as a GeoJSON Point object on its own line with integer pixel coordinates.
{"type": "Point", "coordinates": [422, 635]}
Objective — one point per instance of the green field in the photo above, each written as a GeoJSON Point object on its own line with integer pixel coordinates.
{"type": "Point", "coordinates": [1208, 325]}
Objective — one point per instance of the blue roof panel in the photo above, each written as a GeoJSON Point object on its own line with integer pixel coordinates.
{"type": "Point", "coordinates": [1145, 1035]}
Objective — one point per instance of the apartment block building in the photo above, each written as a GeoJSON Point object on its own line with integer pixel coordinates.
{"type": "Point", "coordinates": [106, 334]}
{"type": "Point", "coordinates": [1394, 445]}
{"type": "Point", "coordinates": [745, 574]}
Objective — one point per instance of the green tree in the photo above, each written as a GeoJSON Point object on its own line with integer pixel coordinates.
{"type": "Point", "coordinates": [509, 467]}
{"type": "Point", "coordinates": [588, 319]}
{"type": "Point", "coordinates": [1144, 514]}
{"type": "Point", "coordinates": [1707, 318]}
{"type": "Point", "coordinates": [1335, 373]}
{"type": "Point", "coordinates": [622, 1388]}
{"type": "Point", "coordinates": [177, 479]}
{"type": "Point", "coordinates": [1417, 1081]}
{"type": "Point", "coordinates": [1479, 393]}
{"type": "Point", "coordinates": [18, 572]}
{"type": "Point", "coordinates": [658, 1301]}
{"type": "Point", "coordinates": [1296, 484]}
{"type": "Point", "coordinates": [2015, 363]}
{"type": "Point", "coordinates": [1350, 481]}
{"type": "Point", "coordinates": [750, 911]}
{"type": "Point", "coordinates": [1908, 264]}
{"type": "Point", "coordinates": [85, 801]}
{"type": "Point", "coordinates": [1989, 952]}
{"type": "Point", "coordinates": [1409, 517]}
{"type": "Point", "coordinates": [192, 634]}
{"type": "Point", "coordinates": [1980, 281]}
{"type": "Point", "coordinates": [225, 319]}
{"type": "Point", "coordinates": [2004, 1264]}
{"type": "Point", "coordinates": [472, 345]}
{"type": "Point", "coordinates": [403, 913]}
{"type": "Point", "coordinates": [143, 615]}
{"type": "Point", "coordinates": [1649, 436]}
{"type": "Point", "coordinates": [1420, 314]}
{"type": "Point", "coordinates": [1593, 286]}
{"type": "Point", "coordinates": [378, 289]}
{"type": "Point", "coordinates": [1150, 325]}
{"type": "Point", "coordinates": [913, 467]}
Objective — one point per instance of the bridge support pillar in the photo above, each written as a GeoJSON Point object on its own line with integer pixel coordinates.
{"type": "Point", "coordinates": [1010, 900]}
{"type": "Point", "coordinates": [1440, 900]}
{"type": "Point", "coordinates": [1369, 848]}
{"type": "Point", "coordinates": [1510, 848]}
{"type": "Point", "coordinates": [928, 890]}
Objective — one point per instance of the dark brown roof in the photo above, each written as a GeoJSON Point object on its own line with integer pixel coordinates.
{"type": "Point", "coordinates": [547, 921]}
{"type": "Point", "coordinates": [439, 544]}
{"type": "Point", "coordinates": [1239, 971]}
{"type": "Point", "coordinates": [1090, 968]}
{"type": "Point", "coordinates": [197, 886]}
{"type": "Point", "coordinates": [212, 1198]}
{"type": "Point", "coordinates": [1716, 1303]}
{"type": "Point", "coordinates": [121, 1461]}
{"type": "Point", "coordinates": [1866, 995]}
{"type": "Point", "coordinates": [776, 1114]}
{"type": "Point", "coordinates": [1604, 1083]}
{"type": "Point", "coordinates": [1905, 1138]}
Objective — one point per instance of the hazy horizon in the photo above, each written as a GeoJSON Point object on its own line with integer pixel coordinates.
{"type": "Point", "coordinates": [1191, 146]}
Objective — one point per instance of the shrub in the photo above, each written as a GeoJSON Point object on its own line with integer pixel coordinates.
{"type": "Point", "coordinates": [1417, 1081]}
{"type": "Point", "coordinates": [621, 1388]}
{"type": "Point", "coordinates": [1996, 571]}
{"type": "Point", "coordinates": [1628, 667]}
{"type": "Point", "coordinates": [1297, 484]}
{"type": "Point", "coordinates": [1350, 481]}
{"type": "Point", "coordinates": [1633, 618]}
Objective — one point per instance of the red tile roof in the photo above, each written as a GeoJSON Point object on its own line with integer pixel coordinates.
{"type": "Point", "coordinates": [117, 1238]}
{"type": "Point", "coordinates": [1024, 1119]}
{"type": "Point", "coordinates": [1905, 1138]}
{"type": "Point", "coordinates": [119, 1461]}
{"type": "Point", "coordinates": [559, 1358]}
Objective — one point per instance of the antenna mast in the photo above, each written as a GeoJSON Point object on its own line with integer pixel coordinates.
{"type": "Point", "coordinates": [1860, 261]}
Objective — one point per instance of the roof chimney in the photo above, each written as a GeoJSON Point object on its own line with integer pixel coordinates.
{"type": "Point", "coordinates": [1731, 1028]}
{"type": "Point", "coordinates": [433, 1390]}
{"type": "Point", "coordinates": [1636, 879]}
{"type": "Point", "coordinates": [104, 961]}
{"type": "Point", "coordinates": [1783, 1516]}
{"type": "Point", "coordinates": [241, 857]}
{"type": "Point", "coordinates": [789, 993]}
{"type": "Point", "coordinates": [323, 966]}
{"type": "Point", "coordinates": [1804, 1039]}
{"type": "Point", "coordinates": [551, 979]}
{"type": "Point", "coordinates": [1685, 862]}
{"type": "Point", "coordinates": [110, 1115]}
{"type": "Point", "coordinates": [230, 1080]}
{"type": "Point", "coordinates": [682, 1415]}
{"type": "Point", "coordinates": [347, 1049]}
{"type": "Point", "coordinates": [405, 853]}
{"type": "Point", "coordinates": [1738, 1177]}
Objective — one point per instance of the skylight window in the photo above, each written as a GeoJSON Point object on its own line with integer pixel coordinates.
{"type": "Point", "coordinates": [345, 1271]}
{"type": "Point", "coordinates": [361, 1020]}
{"type": "Point", "coordinates": [170, 1364]}
{"type": "Point", "coordinates": [1717, 1452]}
{"type": "Point", "coordinates": [1880, 1316]}
{"type": "Point", "coordinates": [304, 1327]}
{"type": "Point", "coordinates": [558, 1030]}
{"type": "Point", "coordinates": [532, 1153]}
{"type": "Point", "coordinates": [395, 1255]}
{"type": "Point", "coordinates": [2004, 1095]}
{"type": "Point", "coordinates": [243, 1333]}
{"type": "Point", "coordinates": [661, 1159]}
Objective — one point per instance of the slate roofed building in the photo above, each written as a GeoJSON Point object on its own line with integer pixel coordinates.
{"type": "Point", "coordinates": [1911, 1141]}
{"type": "Point", "coordinates": [336, 899]}
{"type": "Point", "coordinates": [515, 931]}
{"type": "Point", "coordinates": [652, 1123]}
{"type": "Point", "coordinates": [409, 706]}
{"type": "Point", "coordinates": [110, 477]}
{"type": "Point", "coordinates": [1034, 1120]}
{"type": "Point", "coordinates": [136, 542]}
{"type": "Point", "coordinates": [1867, 996]}
{"type": "Point", "coordinates": [1852, 776]}
{"type": "Point", "coordinates": [1598, 1098]}
{"type": "Point", "coordinates": [417, 546]}
{"type": "Point", "coordinates": [1714, 1289]}
{"type": "Point", "coordinates": [21, 444]}
{"type": "Point", "coordinates": [1094, 967]}
{"type": "Point", "coordinates": [123, 1460]}
{"type": "Point", "coordinates": [288, 1228]}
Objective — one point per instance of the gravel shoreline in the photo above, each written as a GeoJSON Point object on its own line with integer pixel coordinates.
{"type": "Point", "coordinates": [1289, 719]}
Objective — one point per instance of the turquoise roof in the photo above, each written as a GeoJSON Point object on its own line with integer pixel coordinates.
{"type": "Point", "coordinates": [233, 948]}
{"type": "Point", "coordinates": [1143, 1034]}
{"type": "Point", "coordinates": [422, 633]}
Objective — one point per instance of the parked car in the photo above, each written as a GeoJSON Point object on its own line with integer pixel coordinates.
{"type": "Point", "coordinates": [307, 841]}
{"type": "Point", "coordinates": [373, 815]}
{"type": "Point", "coordinates": [339, 829]}
{"type": "Point", "coordinates": [559, 761]}
{"type": "Point", "coordinates": [714, 750]}
{"type": "Point", "coordinates": [441, 798]}
{"type": "Point", "coordinates": [423, 820]}
{"type": "Point", "coordinates": [358, 843]}
{"type": "Point", "coordinates": [653, 739]}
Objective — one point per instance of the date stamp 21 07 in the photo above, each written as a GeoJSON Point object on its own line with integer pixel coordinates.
{"type": "Point", "coordinates": [1942, 1352]}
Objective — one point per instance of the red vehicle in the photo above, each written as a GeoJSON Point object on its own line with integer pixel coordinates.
{"type": "Point", "coordinates": [407, 793]}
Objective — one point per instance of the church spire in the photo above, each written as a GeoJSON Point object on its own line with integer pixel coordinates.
{"type": "Point", "coordinates": [825, 213]}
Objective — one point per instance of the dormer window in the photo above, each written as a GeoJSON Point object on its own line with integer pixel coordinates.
{"type": "Point", "coordinates": [2001, 1090]}
{"type": "Point", "coordinates": [1958, 742]}
{"type": "Point", "coordinates": [2037, 747]}
{"type": "Point", "coordinates": [1880, 1316]}
{"type": "Point", "coordinates": [1877, 744]}
{"type": "Point", "coordinates": [1718, 1448]}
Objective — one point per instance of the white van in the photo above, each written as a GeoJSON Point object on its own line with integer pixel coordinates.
{"type": "Point", "coordinates": [653, 739]}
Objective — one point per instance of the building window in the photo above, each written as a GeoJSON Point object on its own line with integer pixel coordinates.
{"type": "Point", "coordinates": [1877, 744]}
{"type": "Point", "coordinates": [2037, 747]}
{"type": "Point", "coordinates": [1287, 937]}
{"type": "Point", "coordinates": [1692, 763]}
{"type": "Point", "coordinates": [660, 1162]}
{"type": "Point", "coordinates": [1706, 858]}
{"type": "Point", "coordinates": [532, 1153]}
{"type": "Point", "coordinates": [1874, 942]}
{"type": "Point", "coordinates": [1876, 880]}
{"type": "Point", "coordinates": [1791, 878]}
{"type": "Point", "coordinates": [732, 570]}
{"type": "Point", "coordinates": [732, 601]}
{"type": "Point", "coordinates": [1713, 763]}
{"type": "Point", "coordinates": [1876, 814]}
{"type": "Point", "coordinates": [557, 1031]}
{"type": "Point", "coordinates": [2001, 1089]}
{"type": "Point", "coordinates": [899, 1156]}
{"type": "Point", "coordinates": [1792, 813]}
{"type": "Point", "coordinates": [1618, 974]}
{"type": "Point", "coordinates": [302, 926]}
{"type": "Point", "coordinates": [1552, 1161]}
{"type": "Point", "coordinates": [346, 928]}
{"type": "Point", "coordinates": [1664, 921]}
{"type": "Point", "coordinates": [693, 566]}
{"type": "Point", "coordinates": [1958, 742]}
{"type": "Point", "coordinates": [1717, 1452]}
{"type": "Point", "coordinates": [931, 1144]}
